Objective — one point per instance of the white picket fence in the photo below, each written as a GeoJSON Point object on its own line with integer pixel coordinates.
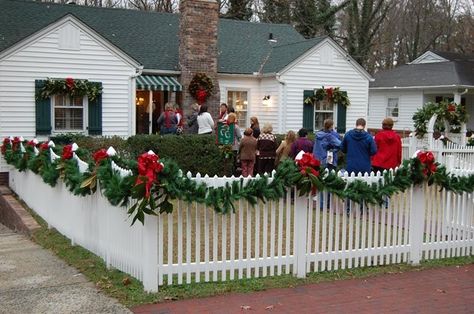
{"type": "Point", "coordinates": [450, 154]}
{"type": "Point", "coordinates": [294, 234]}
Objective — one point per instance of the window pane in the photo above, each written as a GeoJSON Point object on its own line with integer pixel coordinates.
{"type": "Point", "coordinates": [68, 119]}
{"type": "Point", "coordinates": [239, 100]}
{"type": "Point", "coordinates": [392, 107]}
{"type": "Point", "coordinates": [59, 100]}
{"type": "Point", "coordinates": [319, 118]}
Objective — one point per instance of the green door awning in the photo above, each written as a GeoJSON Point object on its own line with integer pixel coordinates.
{"type": "Point", "coordinates": [158, 82]}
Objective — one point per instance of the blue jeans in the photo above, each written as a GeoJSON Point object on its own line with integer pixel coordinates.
{"type": "Point", "coordinates": [165, 130]}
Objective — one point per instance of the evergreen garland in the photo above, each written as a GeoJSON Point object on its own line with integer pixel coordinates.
{"type": "Point", "coordinates": [454, 114]}
{"type": "Point", "coordinates": [171, 184]}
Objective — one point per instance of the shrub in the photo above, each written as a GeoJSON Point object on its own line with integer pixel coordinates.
{"type": "Point", "coordinates": [195, 153]}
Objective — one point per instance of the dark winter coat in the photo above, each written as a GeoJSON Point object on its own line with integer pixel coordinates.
{"type": "Point", "coordinates": [359, 146]}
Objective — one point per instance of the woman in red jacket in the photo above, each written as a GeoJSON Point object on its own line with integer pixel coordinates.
{"type": "Point", "coordinates": [389, 148]}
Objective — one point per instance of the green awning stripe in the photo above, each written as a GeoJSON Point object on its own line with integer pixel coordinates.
{"type": "Point", "coordinates": [158, 82]}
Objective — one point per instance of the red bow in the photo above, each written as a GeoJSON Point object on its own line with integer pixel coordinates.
{"type": "Point", "coordinates": [100, 155]}
{"type": "Point", "coordinates": [428, 160]}
{"type": "Point", "coordinates": [44, 146]}
{"type": "Point", "coordinates": [6, 141]}
{"type": "Point", "coordinates": [148, 167]}
{"type": "Point", "coordinates": [70, 83]}
{"type": "Point", "coordinates": [201, 96]}
{"type": "Point", "coordinates": [67, 152]}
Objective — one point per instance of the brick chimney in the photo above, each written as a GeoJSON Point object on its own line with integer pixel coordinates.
{"type": "Point", "coordinates": [198, 47]}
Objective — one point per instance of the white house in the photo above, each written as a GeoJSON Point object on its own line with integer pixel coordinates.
{"type": "Point", "coordinates": [139, 60]}
{"type": "Point", "coordinates": [432, 77]}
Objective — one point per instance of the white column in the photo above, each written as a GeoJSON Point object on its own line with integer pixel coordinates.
{"type": "Point", "coordinates": [133, 109]}
{"type": "Point", "coordinates": [150, 112]}
{"type": "Point", "coordinates": [457, 97]}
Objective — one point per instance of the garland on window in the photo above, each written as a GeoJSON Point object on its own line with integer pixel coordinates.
{"type": "Point", "coordinates": [333, 95]}
{"type": "Point", "coordinates": [70, 87]}
{"type": "Point", "coordinates": [454, 114]}
{"type": "Point", "coordinates": [151, 184]}
{"type": "Point", "coordinates": [201, 87]}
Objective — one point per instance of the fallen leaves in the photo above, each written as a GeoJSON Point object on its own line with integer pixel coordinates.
{"type": "Point", "coordinates": [245, 307]}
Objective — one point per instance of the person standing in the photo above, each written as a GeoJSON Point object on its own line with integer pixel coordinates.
{"type": "Point", "coordinates": [326, 145]}
{"type": "Point", "coordinates": [359, 146]}
{"type": "Point", "coordinates": [283, 151]}
{"type": "Point", "coordinates": [223, 113]}
{"type": "Point", "coordinates": [168, 120]}
{"type": "Point", "coordinates": [301, 144]}
{"type": "Point", "coordinates": [389, 148]}
{"type": "Point", "coordinates": [205, 122]}
{"type": "Point", "coordinates": [248, 148]}
{"type": "Point", "coordinates": [266, 145]}
{"type": "Point", "coordinates": [254, 125]}
{"type": "Point", "coordinates": [192, 123]}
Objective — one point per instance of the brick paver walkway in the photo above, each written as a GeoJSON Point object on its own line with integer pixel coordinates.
{"type": "Point", "coordinates": [442, 290]}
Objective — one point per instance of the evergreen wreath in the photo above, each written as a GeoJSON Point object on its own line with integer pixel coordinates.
{"type": "Point", "coordinates": [454, 114]}
{"type": "Point", "coordinates": [201, 87]}
{"type": "Point", "coordinates": [71, 87]}
{"type": "Point", "coordinates": [333, 95]}
{"type": "Point", "coordinates": [152, 183]}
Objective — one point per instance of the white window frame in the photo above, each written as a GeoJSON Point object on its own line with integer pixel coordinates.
{"type": "Point", "coordinates": [247, 110]}
{"type": "Point", "coordinates": [388, 110]}
{"type": "Point", "coordinates": [85, 115]}
{"type": "Point", "coordinates": [334, 116]}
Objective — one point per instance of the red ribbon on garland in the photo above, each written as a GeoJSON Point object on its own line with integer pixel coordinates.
{"type": "Point", "coordinates": [309, 163]}
{"type": "Point", "coordinates": [69, 83]}
{"type": "Point", "coordinates": [100, 155]}
{"type": "Point", "coordinates": [428, 160]}
{"type": "Point", "coordinates": [67, 152]}
{"type": "Point", "coordinates": [148, 168]}
{"type": "Point", "coordinates": [6, 141]}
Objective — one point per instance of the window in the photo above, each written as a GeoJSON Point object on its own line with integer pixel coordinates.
{"type": "Point", "coordinates": [322, 110]}
{"type": "Point", "coordinates": [392, 108]}
{"type": "Point", "coordinates": [68, 113]}
{"type": "Point", "coordinates": [239, 100]}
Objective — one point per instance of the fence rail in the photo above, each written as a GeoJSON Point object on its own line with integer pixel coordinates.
{"type": "Point", "coordinates": [294, 234]}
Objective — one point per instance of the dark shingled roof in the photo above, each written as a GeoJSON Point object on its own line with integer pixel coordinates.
{"type": "Point", "coordinates": [152, 38]}
{"type": "Point", "coordinates": [459, 70]}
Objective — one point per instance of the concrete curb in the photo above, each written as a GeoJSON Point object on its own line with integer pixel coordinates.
{"type": "Point", "coordinates": [14, 215]}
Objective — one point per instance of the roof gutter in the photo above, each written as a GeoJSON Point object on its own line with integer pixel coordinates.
{"type": "Point", "coordinates": [253, 75]}
{"type": "Point", "coordinates": [281, 101]}
{"type": "Point", "coordinates": [422, 87]}
{"type": "Point", "coordinates": [161, 72]}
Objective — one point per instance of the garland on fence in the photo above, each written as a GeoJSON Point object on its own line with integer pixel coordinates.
{"type": "Point", "coordinates": [454, 113]}
{"type": "Point", "coordinates": [150, 183]}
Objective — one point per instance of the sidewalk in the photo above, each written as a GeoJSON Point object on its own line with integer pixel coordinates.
{"type": "Point", "coordinates": [443, 290]}
{"type": "Point", "coordinates": [34, 280]}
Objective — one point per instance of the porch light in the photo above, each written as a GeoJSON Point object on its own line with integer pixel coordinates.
{"type": "Point", "coordinates": [266, 100]}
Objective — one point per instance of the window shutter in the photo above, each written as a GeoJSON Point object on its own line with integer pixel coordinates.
{"type": "Point", "coordinates": [308, 112]}
{"type": "Point", "coordinates": [341, 118]}
{"type": "Point", "coordinates": [42, 111]}
{"type": "Point", "coordinates": [95, 115]}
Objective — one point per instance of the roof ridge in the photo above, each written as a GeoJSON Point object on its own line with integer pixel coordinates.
{"type": "Point", "coordinates": [302, 41]}
{"type": "Point", "coordinates": [89, 7]}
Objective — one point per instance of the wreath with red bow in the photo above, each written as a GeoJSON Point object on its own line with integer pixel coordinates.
{"type": "Point", "coordinates": [201, 87]}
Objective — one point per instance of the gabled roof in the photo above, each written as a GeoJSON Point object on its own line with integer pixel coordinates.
{"type": "Point", "coordinates": [152, 38]}
{"type": "Point", "coordinates": [457, 70]}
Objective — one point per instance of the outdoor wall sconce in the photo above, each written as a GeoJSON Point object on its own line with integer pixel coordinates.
{"type": "Point", "coordinates": [266, 100]}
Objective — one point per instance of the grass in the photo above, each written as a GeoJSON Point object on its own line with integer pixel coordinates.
{"type": "Point", "coordinates": [129, 291]}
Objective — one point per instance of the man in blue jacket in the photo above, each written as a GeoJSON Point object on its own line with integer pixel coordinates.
{"type": "Point", "coordinates": [359, 146]}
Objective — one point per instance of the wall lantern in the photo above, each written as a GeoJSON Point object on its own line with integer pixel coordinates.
{"type": "Point", "coordinates": [266, 100]}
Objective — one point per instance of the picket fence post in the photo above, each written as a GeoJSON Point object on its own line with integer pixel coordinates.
{"type": "Point", "coordinates": [417, 224]}
{"type": "Point", "coordinates": [301, 224]}
{"type": "Point", "coordinates": [150, 253]}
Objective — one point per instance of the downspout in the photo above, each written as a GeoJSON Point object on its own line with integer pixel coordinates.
{"type": "Point", "coordinates": [133, 93]}
{"type": "Point", "coordinates": [282, 101]}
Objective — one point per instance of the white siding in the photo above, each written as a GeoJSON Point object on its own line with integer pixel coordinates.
{"type": "Point", "coordinates": [41, 59]}
{"type": "Point", "coordinates": [408, 103]}
{"type": "Point", "coordinates": [310, 73]}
